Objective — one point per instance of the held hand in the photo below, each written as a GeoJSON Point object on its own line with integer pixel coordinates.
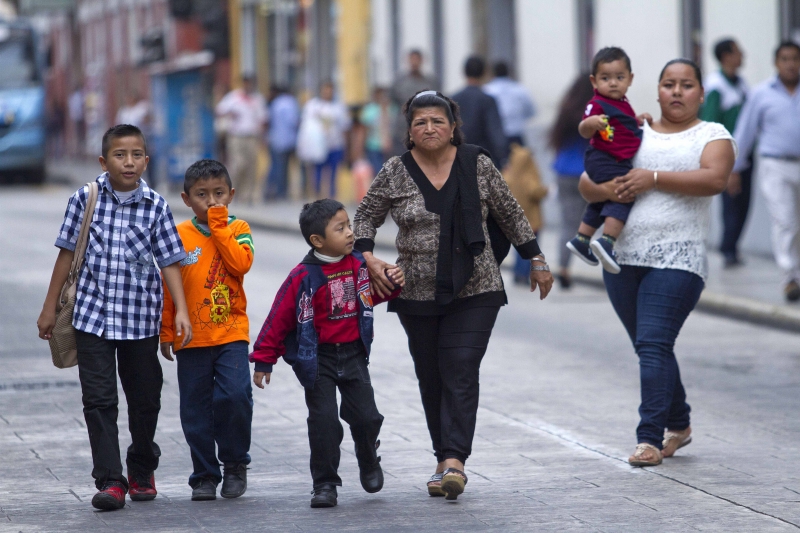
{"type": "Point", "coordinates": [735, 184]}
{"type": "Point", "coordinates": [46, 323]}
{"type": "Point", "coordinates": [635, 182]}
{"type": "Point", "coordinates": [644, 117]}
{"type": "Point", "coordinates": [183, 328]}
{"type": "Point", "coordinates": [379, 284]}
{"type": "Point", "coordinates": [258, 377]}
{"type": "Point", "coordinates": [397, 276]}
{"type": "Point", "coordinates": [543, 280]}
{"type": "Point", "coordinates": [166, 348]}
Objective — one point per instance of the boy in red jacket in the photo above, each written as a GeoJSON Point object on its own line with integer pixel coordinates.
{"type": "Point", "coordinates": [321, 323]}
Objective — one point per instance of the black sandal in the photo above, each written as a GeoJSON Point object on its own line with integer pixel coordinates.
{"type": "Point", "coordinates": [453, 483]}
{"type": "Point", "coordinates": [435, 485]}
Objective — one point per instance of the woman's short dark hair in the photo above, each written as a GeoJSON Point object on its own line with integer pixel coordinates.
{"type": "Point", "coordinates": [314, 217]}
{"type": "Point", "coordinates": [430, 98]}
{"type": "Point", "coordinates": [683, 61]}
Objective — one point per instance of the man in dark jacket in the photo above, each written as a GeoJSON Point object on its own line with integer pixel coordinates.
{"type": "Point", "coordinates": [479, 113]}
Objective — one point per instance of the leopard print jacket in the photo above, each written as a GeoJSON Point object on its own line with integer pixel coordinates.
{"type": "Point", "coordinates": [418, 237]}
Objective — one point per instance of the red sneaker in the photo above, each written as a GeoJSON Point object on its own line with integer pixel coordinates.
{"type": "Point", "coordinates": [142, 489]}
{"type": "Point", "coordinates": [111, 497]}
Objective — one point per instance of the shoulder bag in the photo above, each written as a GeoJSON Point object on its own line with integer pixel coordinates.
{"type": "Point", "coordinates": [62, 340]}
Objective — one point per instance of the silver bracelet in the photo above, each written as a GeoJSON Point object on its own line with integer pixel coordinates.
{"type": "Point", "coordinates": [536, 258]}
{"type": "Point", "coordinates": [543, 268]}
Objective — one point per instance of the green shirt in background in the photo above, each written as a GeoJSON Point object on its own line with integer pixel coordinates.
{"type": "Point", "coordinates": [723, 100]}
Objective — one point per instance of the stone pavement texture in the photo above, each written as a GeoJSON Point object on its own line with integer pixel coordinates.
{"type": "Point", "coordinates": [559, 390]}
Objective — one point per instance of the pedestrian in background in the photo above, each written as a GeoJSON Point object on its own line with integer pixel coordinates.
{"type": "Point", "coordinates": [481, 124]}
{"type": "Point", "coordinates": [771, 115]}
{"type": "Point", "coordinates": [525, 183]}
{"type": "Point", "coordinates": [284, 120]}
{"type": "Point", "coordinates": [726, 92]}
{"type": "Point", "coordinates": [117, 314]}
{"type": "Point", "coordinates": [570, 149]}
{"type": "Point", "coordinates": [360, 167]}
{"type": "Point", "coordinates": [681, 164]}
{"type": "Point", "coordinates": [378, 116]}
{"type": "Point", "coordinates": [441, 193]}
{"type": "Point", "coordinates": [514, 103]}
{"type": "Point", "coordinates": [247, 115]}
{"type": "Point", "coordinates": [75, 106]}
{"type": "Point", "coordinates": [403, 88]}
{"type": "Point", "coordinates": [334, 118]}
{"type": "Point", "coordinates": [216, 398]}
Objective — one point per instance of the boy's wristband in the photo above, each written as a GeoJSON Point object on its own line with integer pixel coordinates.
{"type": "Point", "coordinates": [264, 367]}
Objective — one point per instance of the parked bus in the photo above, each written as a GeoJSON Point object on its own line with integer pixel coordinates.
{"type": "Point", "coordinates": [22, 101]}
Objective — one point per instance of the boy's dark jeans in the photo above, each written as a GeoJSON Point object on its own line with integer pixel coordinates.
{"type": "Point", "coordinates": [343, 366]}
{"type": "Point", "coordinates": [141, 377]}
{"type": "Point", "coordinates": [602, 167]}
{"type": "Point", "coordinates": [216, 406]}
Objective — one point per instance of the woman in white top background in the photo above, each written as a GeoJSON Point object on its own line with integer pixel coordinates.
{"type": "Point", "coordinates": [681, 164]}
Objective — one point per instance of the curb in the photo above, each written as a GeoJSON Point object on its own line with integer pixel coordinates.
{"type": "Point", "coordinates": [748, 310]}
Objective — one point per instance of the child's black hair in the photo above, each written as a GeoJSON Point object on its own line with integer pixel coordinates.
{"type": "Point", "coordinates": [118, 131]}
{"type": "Point", "coordinates": [608, 55]}
{"type": "Point", "coordinates": [314, 217]}
{"type": "Point", "coordinates": [203, 170]}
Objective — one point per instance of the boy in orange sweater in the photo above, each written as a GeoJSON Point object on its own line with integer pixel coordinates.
{"type": "Point", "coordinates": [213, 370]}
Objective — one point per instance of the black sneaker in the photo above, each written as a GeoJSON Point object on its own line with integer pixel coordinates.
{"type": "Point", "coordinates": [583, 251]}
{"type": "Point", "coordinates": [324, 496]}
{"type": "Point", "coordinates": [234, 480]}
{"type": "Point", "coordinates": [206, 490]}
{"type": "Point", "coordinates": [604, 251]}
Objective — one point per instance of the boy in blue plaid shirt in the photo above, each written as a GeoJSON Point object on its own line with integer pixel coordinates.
{"type": "Point", "coordinates": [118, 312]}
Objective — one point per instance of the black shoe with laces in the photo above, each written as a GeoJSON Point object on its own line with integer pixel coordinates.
{"type": "Point", "coordinates": [234, 480]}
{"type": "Point", "coordinates": [206, 490]}
{"type": "Point", "coordinates": [604, 250]}
{"type": "Point", "coordinates": [324, 496]}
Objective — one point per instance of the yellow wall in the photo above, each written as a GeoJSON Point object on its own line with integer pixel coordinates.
{"type": "Point", "coordinates": [353, 50]}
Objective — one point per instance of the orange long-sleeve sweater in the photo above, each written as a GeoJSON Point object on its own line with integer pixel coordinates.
{"type": "Point", "coordinates": [213, 274]}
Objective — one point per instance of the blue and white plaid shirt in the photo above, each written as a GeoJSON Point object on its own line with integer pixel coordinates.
{"type": "Point", "coordinates": [119, 293]}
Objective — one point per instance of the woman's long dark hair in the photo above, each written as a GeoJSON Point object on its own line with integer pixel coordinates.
{"type": "Point", "coordinates": [570, 112]}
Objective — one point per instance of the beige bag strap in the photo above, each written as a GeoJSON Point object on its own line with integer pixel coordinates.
{"type": "Point", "coordinates": [83, 240]}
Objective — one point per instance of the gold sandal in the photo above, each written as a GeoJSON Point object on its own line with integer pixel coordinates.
{"type": "Point", "coordinates": [675, 440]}
{"type": "Point", "coordinates": [642, 450]}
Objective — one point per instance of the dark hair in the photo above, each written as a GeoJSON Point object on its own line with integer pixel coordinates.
{"type": "Point", "coordinates": [314, 217]}
{"type": "Point", "coordinates": [439, 100]}
{"type": "Point", "coordinates": [501, 69]}
{"type": "Point", "coordinates": [683, 61]}
{"type": "Point", "coordinates": [723, 47]}
{"type": "Point", "coordinates": [203, 170]}
{"type": "Point", "coordinates": [607, 55]}
{"type": "Point", "coordinates": [474, 67]}
{"type": "Point", "coordinates": [119, 131]}
{"type": "Point", "coordinates": [570, 112]}
{"type": "Point", "coordinates": [786, 44]}
{"type": "Point", "coordinates": [415, 52]}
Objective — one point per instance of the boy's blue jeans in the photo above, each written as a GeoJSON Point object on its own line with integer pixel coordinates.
{"type": "Point", "coordinates": [216, 407]}
{"type": "Point", "coordinates": [653, 304]}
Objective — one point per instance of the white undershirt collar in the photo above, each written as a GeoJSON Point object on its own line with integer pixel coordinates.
{"type": "Point", "coordinates": [327, 258]}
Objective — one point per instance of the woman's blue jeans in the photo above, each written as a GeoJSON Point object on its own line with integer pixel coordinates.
{"type": "Point", "coordinates": [216, 407]}
{"type": "Point", "coordinates": [653, 304]}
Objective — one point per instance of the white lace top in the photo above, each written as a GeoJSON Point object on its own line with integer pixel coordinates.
{"type": "Point", "coordinates": [668, 230]}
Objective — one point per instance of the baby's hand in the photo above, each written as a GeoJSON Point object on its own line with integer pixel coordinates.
{"type": "Point", "coordinates": [258, 377]}
{"type": "Point", "coordinates": [598, 122]}
{"type": "Point", "coordinates": [644, 117]}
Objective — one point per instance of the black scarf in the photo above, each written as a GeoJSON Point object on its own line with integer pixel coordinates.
{"type": "Point", "coordinates": [461, 237]}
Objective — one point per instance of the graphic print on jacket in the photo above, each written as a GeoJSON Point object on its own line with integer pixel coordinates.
{"type": "Point", "coordinates": [342, 292]}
